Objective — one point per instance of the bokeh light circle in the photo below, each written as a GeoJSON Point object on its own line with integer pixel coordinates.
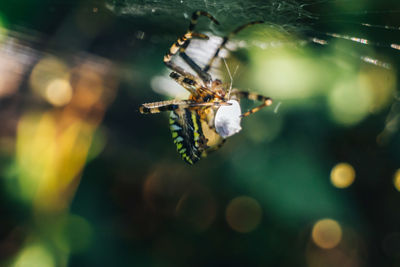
{"type": "Point", "coordinates": [78, 233]}
{"type": "Point", "coordinates": [197, 208]}
{"type": "Point", "coordinates": [342, 175]}
{"type": "Point", "coordinates": [243, 214]}
{"type": "Point", "coordinates": [50, 79]}
{"type": "Point", "coordinates": [326, 233]}
{"type": "Point", "coordinates": [350, 101]}
{"type": "Point", "coordinates": [396, 180]}
{"type": "Point", "coordinates": [59, 92]}
{"type": "Point", "coordinates": [35, 255]}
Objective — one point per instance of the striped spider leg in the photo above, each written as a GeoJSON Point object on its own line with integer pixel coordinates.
{"type": "Point", "coordinates": [183, 42]}
{"type": "Point", "coordinates": [266, 101]}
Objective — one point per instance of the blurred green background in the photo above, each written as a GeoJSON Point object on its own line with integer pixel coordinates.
{"type": "Point", "coordinates": [86, 180]}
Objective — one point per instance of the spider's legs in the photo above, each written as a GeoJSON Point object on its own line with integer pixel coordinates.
{"type": "Point", "coordinates": [189, 82]}
{"type": "Point", "coordinates": [193, 85]}
{"type": "Point", "coordinates": [184, 41]}
{"type": "Point", "coordinates": [157, 107]}
{"type": "Point", "coordinates": [215, 148]}
{"type": "Point", "coordinates": [266, 101]}
{"type": "Point", "coordinates": [225, 40]}
{"type": "Point", "coordinates": [175, 48]}
{"type": "Point", "coordinates": [202, 74]}
{"type": "Point", "coordinates": [195, 17]}
{"type": "Point", "coordinates": [180, 42]}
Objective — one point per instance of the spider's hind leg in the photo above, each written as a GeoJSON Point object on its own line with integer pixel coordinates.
{"type": "Point", "coordinates": [175, 48]}
{"type": "Point", "coordinates": [225, 40]}
{"type": "Point", "coordinates": [183, 42]}
{"type": "Point", "coordinates": [180, 42]}
{"type": "Point", "coordinates": [185, 39]}
{"type": "Point", "coordinates": [196, 15]}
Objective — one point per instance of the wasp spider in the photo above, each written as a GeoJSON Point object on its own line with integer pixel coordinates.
{"type": "Point", "coordinates": [212, 113]}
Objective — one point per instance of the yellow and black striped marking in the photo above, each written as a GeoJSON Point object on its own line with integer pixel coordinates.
{"type": "Point", "coordinates": [187, 134]}
{"type": "Point", "coordinates": [160, 106]}
{"type": "Point", "coordinates": [189, 83]}
{"type": "Point", "coordinates": [184, 41]}
{"type": "Point", "coordinates": [266, 101]}
{"type": "Point", "coordinates": [195, 17]}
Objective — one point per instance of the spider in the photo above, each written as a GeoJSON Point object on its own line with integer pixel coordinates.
{"type": "Point", "coordinates": [201, 123]}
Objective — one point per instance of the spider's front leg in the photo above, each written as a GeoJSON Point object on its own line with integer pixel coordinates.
{"type": "Point", "coordinates": [169, 105]}
{"type": "Point", "coordinates": [160, 106]}
{"type": "Point", "coordinates": [266, 101]}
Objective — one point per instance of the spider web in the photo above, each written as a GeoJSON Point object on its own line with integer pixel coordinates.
{"type": "Point", "coordinates": [307, 20]}
{"type": "Point", "coordinates": [369, 30]}
{"type": "Point", "coordinates": [286, 12]}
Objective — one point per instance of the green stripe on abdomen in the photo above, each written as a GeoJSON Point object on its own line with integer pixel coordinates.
{"type": "Point", "coordinates": [187, 134]}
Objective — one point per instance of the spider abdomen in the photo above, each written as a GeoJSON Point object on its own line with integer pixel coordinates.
{"type": "Point", "coordinates": [186, 129]}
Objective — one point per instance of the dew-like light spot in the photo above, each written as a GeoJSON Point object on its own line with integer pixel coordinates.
{"type": "Point", "coordinates": [342, 175]}
{"type": "Point", "coordinates": [326, 233]}
{"type": "Point", "coordinates": [350, 101]}
{"type": "Point", "coordinates": [396, 180]}
{"type": "Point", "coordinates": [35, 255]}
{"type": "Point", "coordinates": [46, 71]}
{"type": "Point", "coordinates": [59, 92]}
{"type": "Point", "coordinates": [296, 81]}
{"type": "Point", "coordinates": [243, 214]}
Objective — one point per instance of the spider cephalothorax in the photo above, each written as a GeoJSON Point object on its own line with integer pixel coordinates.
{"type": "Point", "coordinates": [212, 112]}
